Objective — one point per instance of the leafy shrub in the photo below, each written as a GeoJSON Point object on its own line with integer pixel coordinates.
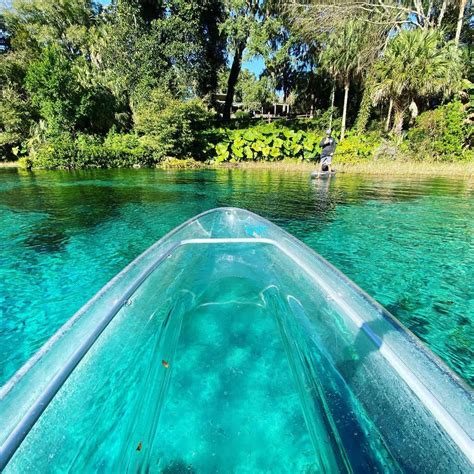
{"type": "Point", "coordinates": [355, 148]}
{"type": "Point", "coordinates": [125, 150]}
{"type": "Point", "coordinates": [282, 139]}
{"type": "Point", "coordinates": [58, 151]}
{"type": "Point", "coordinates": [62, 151]}
{"type": "Point", "coordinates": [266, 142]}
{"type": "Point", "coordinates": [440, 134]}
{"type": "Point", "coordinates": [174, 128]}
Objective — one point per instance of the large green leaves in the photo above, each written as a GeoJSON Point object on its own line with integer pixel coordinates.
{"type": "Point", "coordinates": [266, 142]}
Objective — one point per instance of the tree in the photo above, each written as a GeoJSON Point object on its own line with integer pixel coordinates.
{"type": "Point", "coordinates": [254, 93]}
{"type": "Point", "coordinates": [247, 26]}
{"type": "Point", "coordinates": [417, 64]}
{"type": "Point", "coordinates": [173, 126]}
{"type": "Point", "coordinates": [240, 18]}
{"type": "Point", "coordinates": [286, 56]}
{"type": "Point", "coordinates": [329, 14]}
{"type": "Point", "coordinates": [342, 58]}
{"type": "Point", "coordinates": [178, 46]}
{"type": "Point", "coordinates": [351, 36]}
{"type": "Point", "coordinates": [66, 105]}
{"type": "Point", "coordinates": [34, 24]}
{"type": "Point", "coordinates": [54, 90]}
{"type": "Point", "coordinates": [194, 43]}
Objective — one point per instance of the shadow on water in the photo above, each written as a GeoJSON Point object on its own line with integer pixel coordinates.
{"type": "Point", "coordinates": [74, 202]}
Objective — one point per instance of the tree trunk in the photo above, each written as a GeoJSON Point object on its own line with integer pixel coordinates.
{"type": "Point", "coordinates": [344, 109]}
{"type": "Point", "coordinates": [364, 110]}
{"type": "Point", "coordinates": [442, 12]}
{"type": "Point", "coordinates": [429, 12]}
{"type": "Point", "coordinates": [333, 93]}
{"type": "Point", "coordinates": [398, 119]}
{"type": "Point", "coordinates": [232, 81]}
{"type": "Point", "coordinates": [389, 116]}
{"type": "Point", "coordinates": [462, 7]}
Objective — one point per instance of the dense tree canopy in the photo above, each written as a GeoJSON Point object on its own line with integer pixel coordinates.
{"type": "Point", "coordinates": [82, 67]}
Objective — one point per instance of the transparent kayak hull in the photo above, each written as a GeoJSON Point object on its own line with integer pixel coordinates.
{"type": "Point", "coordinates": [229, 346]}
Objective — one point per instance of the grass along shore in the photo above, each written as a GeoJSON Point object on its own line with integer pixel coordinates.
{"type": "Point", "coordinates": [380, 167]}
{"type": "Point", "coordinates": [464, 169]}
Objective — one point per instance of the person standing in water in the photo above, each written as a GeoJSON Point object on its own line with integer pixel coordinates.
{"type": "Point", "coordinates": [328, 145]}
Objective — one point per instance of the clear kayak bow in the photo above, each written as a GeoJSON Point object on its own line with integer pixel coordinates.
{"type": "Point", "coordinates": [229, 346]}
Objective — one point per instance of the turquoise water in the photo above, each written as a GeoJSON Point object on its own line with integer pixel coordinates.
{"type": "Point", "coordinates": [408, 242]}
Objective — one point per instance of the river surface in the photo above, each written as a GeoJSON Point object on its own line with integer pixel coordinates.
{"type": "Point", "coordinates": [408, 242]}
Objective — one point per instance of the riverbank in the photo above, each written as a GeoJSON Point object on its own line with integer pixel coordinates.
{"type": "Point", "coordinates": [376, 168]}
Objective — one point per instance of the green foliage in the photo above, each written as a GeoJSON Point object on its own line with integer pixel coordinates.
{"type": "Point", "coordinates": [417, 64]}
{"type": "Point", "coordinates": [175, 163]}
{"type": "Point", "coordinates": [38, 23]}
{"type": "Point", "coordinates": [56, 91]}
{"type": "Point", "coordinates": [57, 152]}
{"type": "Point", "coordinates": [12, 69]}
{"type": "Point", "coordinates": [173, 44]}
{"type": "Point", "coordinates": [243, 19]}
{"type": "Point", "coordinates": [62, 151]}
{"type": "Point", "coordinates": [84, 85]}
{"type": "Point", "coordinates": [254, 93]}
{"type": "Point", "coordinates": [243, 115]}
{"type": "Point", "coordinates": [358, 147]}
{"type": "Point", "coordinates": [15, 122]}
{"type": "Point", "coordinates": [172, 127]}
{"type": "Point", "coordinates": [364, 109]}
{"type": "Point", "coordinates": [343, 52]}
{"type": "Point", "coordinates": [128, 149]}
{"type": "Point", "coordinates": [267, 142]}
{"type": "Point", "coordinates": [166, 127]}
{"type": "Point", "coordinates": [440, 134]}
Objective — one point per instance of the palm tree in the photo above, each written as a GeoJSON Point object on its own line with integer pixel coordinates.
{"type": "Point", "coordinates": [417, 64]}
{"type": "Point", "coordinates": [342, 58]}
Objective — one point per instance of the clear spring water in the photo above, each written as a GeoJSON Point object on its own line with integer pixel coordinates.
{"type": "Point", "coordinates": [408, 242]}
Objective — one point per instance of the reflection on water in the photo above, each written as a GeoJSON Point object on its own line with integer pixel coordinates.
{"type": "Point", "coordinates": [408, 242]}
